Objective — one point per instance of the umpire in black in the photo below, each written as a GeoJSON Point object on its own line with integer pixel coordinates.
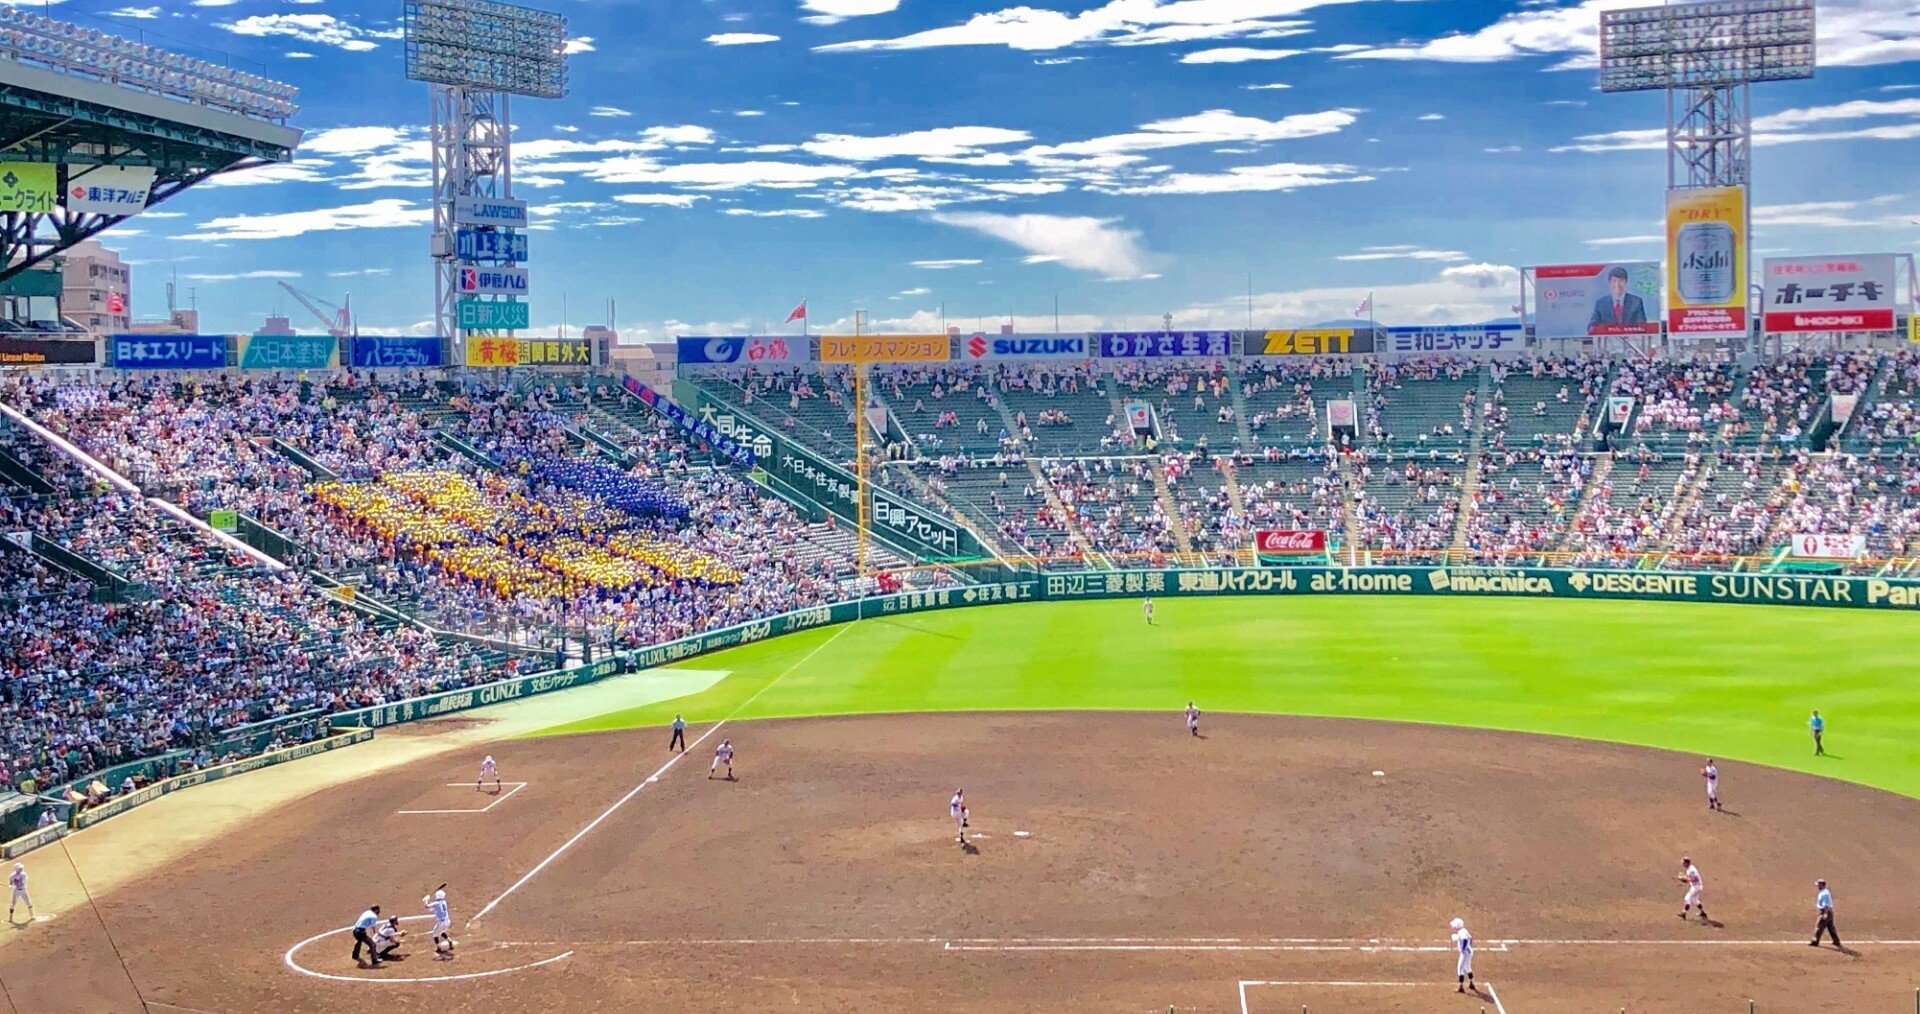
{"type": "Point", "coordinates": [363, 935]}
{"type": "Point", "coordinates": [1823, 900]}
{"type": "Point", "coordinates": [679, 735]}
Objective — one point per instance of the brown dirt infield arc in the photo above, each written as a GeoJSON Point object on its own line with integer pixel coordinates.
{"type": "Point", "coordinates": [1263, 864]}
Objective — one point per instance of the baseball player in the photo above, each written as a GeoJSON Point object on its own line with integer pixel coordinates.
{"type": "Point", "coordinates": [489, 772]}
{"type": "Point", "coordinates": [363, 935]}
{"type": "Point", "coordinates": [436, 905]}
{"type": "Point", "coordinates": [1823, 900]}
{"type": "Point", "coordinates": [1712, 775]}
{"type": "Point", "coordinates": [1696, 889]}
{"type": "Point", "coordinates": [18, 881]}
{"type": "Point", "coordinates": [1193, 720]}
{"type": "Point", "coordinates": [679, 735]}
{"type": "Point", "coordinates": [722, 754]}
{"type": "Point", "coordinates": [1463, 964]}
{"type": "Point", "coordinates": [1147, 605]}
{"type": "Point", "coordinates": [957, 808]}
{"type": "Point", "coordinates": [386, 939]}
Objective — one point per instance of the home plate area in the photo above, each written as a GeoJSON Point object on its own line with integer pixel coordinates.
{"type": "Point", "coordinates": [462, 797]}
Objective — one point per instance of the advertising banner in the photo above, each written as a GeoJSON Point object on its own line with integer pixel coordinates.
{"type": "Point", "coordinates": [1290, 542]}
{"type": "Point", "coordinates": [223, 521]}
{"type": "Point", "coordinates": [495, 281]}
{"type": "Point", "coordinates": [289, 352]}
{"type": "Point", "coordinates": [1619, 410]}
{"type": "Point", "coordinates": [1140, 417]}
{"type": "Point", "coordinates": [1024, 346]}
{"type": "Point", "coordinates": [29, 186]}
{"type": "Point", "coordinates": [1596, 300]}
{"type": "Point", "coordinates": [688, 422]}
{"type": "Point", "coordinates": [107, 189]}
{"type": "Point", "coordinates": [1163, 344]}
{"type": "Point", "coordinates": [1341, 414]}
{"type": "Point", "coordinates": [1913, 327]}
{"type": "Point", "coordinates": [1852, 292]}
{"type": "Point", "coordinates": [47, 351]}
{"type": "Point", "coordinates": [492, 315]}
{"type": "Point", "coordinates": [1456, 339]}
{"type": "Point", "coordinates": [885, 348]}
{"type": "Point", "coordinates": [697, 351]}
{"type": "Point", "coordinates": [169, 352]}
{"type": "Point", "coordinates": [487, 351]}
{"type": "Point", "coordinates": [1843, 406]}
{"type": "Point", "coordinates": [1707, 261]}
{"type": "Point", "coordinates": [500, 212]}
{"type": "Point", "coordinates": [396, 353]}
{"type": "Point", "coordinates": [1324, 341]}
{"type": "Point", "coordinates": [1821, 546]}
{"type": "Point", "coordinates": [493, 247]}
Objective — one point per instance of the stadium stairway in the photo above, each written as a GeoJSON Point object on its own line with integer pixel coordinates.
{"type": "Point", "coordinates": [1240, 411]}
{"type": "Point", "coordinates": [1182, 539]}
{"type": "Point", "coordinates": [1470, 483]}
{"type": "Point", "coordinates": [1349, 517]}
{"type": "Point", "coordinates": [1070, 519]}
{"type": "Point", "coordinates": [1589, 502]}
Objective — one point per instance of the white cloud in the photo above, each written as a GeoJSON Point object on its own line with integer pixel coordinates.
{"type": "Point", "coordinates": [827, 12]}
{"type": "Point", "coordinates": [1212, 127]}
{"type": "Point", "coordinates": [1432, 117]}
{"type": "Point", "coordinates": [390, 213]}
{"type": "Point", "coordinates": [1850, 33]}
{"type": "Point", "coordinates": [717, 175]}
{"type": "Point", "coordinates": [942, 265]}
{"type": "Point", "coordinates": [583, 44]}
{"type": "Point", "coordinates": [749, 112]}
{"type": "Point", "coordinates": [1627, 240]}
{"type": "Point", "coordinates": [608, 112]}
{"type": "Point", "coordinates": [214, 3]}
{"type": "Point", "coordinates": [918, 290]}
{"type": "Point", "coordinates": [318, 29]}
{"type": "Point", "coordinates": [295, 54]}
{"type": "Point", "coordinates": [136, 13]}
{"type": "Point", "coordinates": [1117, 22]}
{"type": "Point", "coordinates": [1266, 87]}
{"type": "Point", "coordinates": [360, 272]}
{"type": "Point", "coordinates": [1403, 252]}
{"type": "Point", "coordinates": [776, 213]}
{"type": "Point", "coordinates": [1280, 176]}
{"type": "Point", "coordinates": [352, 140]}
{"type": "Point", "coordinates": [242, 274]}
{"type": "Point", "coordinates": [741, 38]}
{"type": "Point", "coordinates": [663, 200]}
{"type": "Point", "coordinates": [297, 171]}
{"type": "Point", "coordinates": [939, 142]}
{"type": "Point", "coordinates": [1789, 126]}
{"type": "Point", "coordinates": [1083, 243]}
{"type": "Point", "coordinates": [1237, 54]}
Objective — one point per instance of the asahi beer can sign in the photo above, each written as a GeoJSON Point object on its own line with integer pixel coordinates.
{"type": "Point", "coordinates": [1707, 261]}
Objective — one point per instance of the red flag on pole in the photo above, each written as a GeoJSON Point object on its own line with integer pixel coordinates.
{"type": "Point", "coordinates": [1366, 306]}
{"type": "Point", "coordinates": [799, 313]}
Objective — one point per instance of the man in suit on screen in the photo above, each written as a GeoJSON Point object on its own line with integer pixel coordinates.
{"type": "Point", "coordinates": [1618, 308]}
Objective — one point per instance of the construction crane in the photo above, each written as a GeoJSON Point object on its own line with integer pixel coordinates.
{"type": "Point", "coordinates": [339, 323]}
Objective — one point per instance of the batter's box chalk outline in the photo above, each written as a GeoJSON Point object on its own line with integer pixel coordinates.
{"type": "Point", "coordinates": [501, 798]}
{"type": "Point", "coordinates": [1245, 1008]}
{"type": "Point", "coordinates": [393, 980]}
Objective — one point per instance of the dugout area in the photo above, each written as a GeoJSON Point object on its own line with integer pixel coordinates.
{"type": "Point", "coordinates": [1117, 864]}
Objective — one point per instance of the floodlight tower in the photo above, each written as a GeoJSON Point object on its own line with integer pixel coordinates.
{"type": "Point", "coordinates": [1707, 57]}
{"type": "Point", "coordinates": [474, 54]}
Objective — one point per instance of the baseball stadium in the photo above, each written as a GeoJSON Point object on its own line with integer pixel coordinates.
{"type": "Point", "coordinates": [1324, 664]}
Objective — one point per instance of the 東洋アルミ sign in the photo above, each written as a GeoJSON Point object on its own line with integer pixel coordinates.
{"type": "Point", "coordinates": [491, 281]}
{"type": "Point", "coordinates": [107, 189]}
{"type": "Point", "coordinates": [492, 315]}
{"type": "Point", "coordinates": [500, 212]}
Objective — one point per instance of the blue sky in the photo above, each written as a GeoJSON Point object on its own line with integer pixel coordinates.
{"type": "Point", "coordinates": [719, 160]}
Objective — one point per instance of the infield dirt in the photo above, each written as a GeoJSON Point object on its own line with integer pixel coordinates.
{"type": "Point", "coordinates": [1116, 864]}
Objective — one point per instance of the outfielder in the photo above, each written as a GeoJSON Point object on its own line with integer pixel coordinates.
{"type": "Point", "coordinates": [957, 808]}
{"type": "Point", "coordinates": [1147, 605]}
{"type": "Point", "coordinates": [489, 772]}
{"type": "Point", "coordinates": [722, 754]}
{"type": "Point", "coordinates": [18, 881]}
{"type": "Point", "coordinates": [1712, 775]}
{"type": "Point", "coordinates": [1696, 889]}
{"type": "Point", "coordinates": [1463, 964]}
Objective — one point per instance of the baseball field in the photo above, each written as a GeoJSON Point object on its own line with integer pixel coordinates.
{"type": "Point", "coordinates": [1368, 769]}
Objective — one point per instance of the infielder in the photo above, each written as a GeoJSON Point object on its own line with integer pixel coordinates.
{"type": "Point", "coordinates": [1823, 900]}
{"type": "Point", "coordinates": [679, 735]}
{"type": "Point", "coordinates": [18, 881]}
{"type": "Point", "coordinates": [1696, 889]}
{"type": "Point", "coordinates": [1712, 775]}
{"type": "Point", "coordinates": [1193, 720]}
{"type": "Point", "coordinates": [436, 905]}
{"type": "Point", "coordinates": [957, 808]}
{"type": "Point", "coordinates": [489, 772]}
{"type": "Point", "coordinates": [722, 754]}
{"type": "Point", "coordinates": [1463, 964]}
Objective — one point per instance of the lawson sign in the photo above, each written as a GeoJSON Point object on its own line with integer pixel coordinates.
{"type": "Point", "coordinates": [499, 212]}
{"type": "Point", "coordinates": [982, 347]}
{"type": "Point", "coordinates": [492, 281]}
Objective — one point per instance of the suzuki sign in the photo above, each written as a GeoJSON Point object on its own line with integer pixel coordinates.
{"type": "Point", "coordinates": [1031, 346]}
{"type": "Point", "coordinates": [492, 281]}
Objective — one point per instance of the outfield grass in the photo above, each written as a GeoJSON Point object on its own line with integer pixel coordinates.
{"type": "Point", "coordinates": [1733, 681]}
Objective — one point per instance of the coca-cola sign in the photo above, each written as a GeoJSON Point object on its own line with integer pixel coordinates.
{"type": "Point", "coordinates": [1289, 542]}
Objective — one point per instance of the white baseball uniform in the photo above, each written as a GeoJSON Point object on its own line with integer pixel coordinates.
{"type": "Point", "coordinates": [18, 881]}
{"type": "Point", "coordinates": [1463, 944]}
{"type": "Point", "coordinates": [1713, 783]}
{"type": "Point", "coordinates": [1696, 888]}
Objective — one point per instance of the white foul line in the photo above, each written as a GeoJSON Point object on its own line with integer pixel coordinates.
{"type": "Point", "coordinates": [622, 801]}
{"type": "Point", "coordinates": [517, 786]}
{"type": "Point", "coordinates": [1495, 997]}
